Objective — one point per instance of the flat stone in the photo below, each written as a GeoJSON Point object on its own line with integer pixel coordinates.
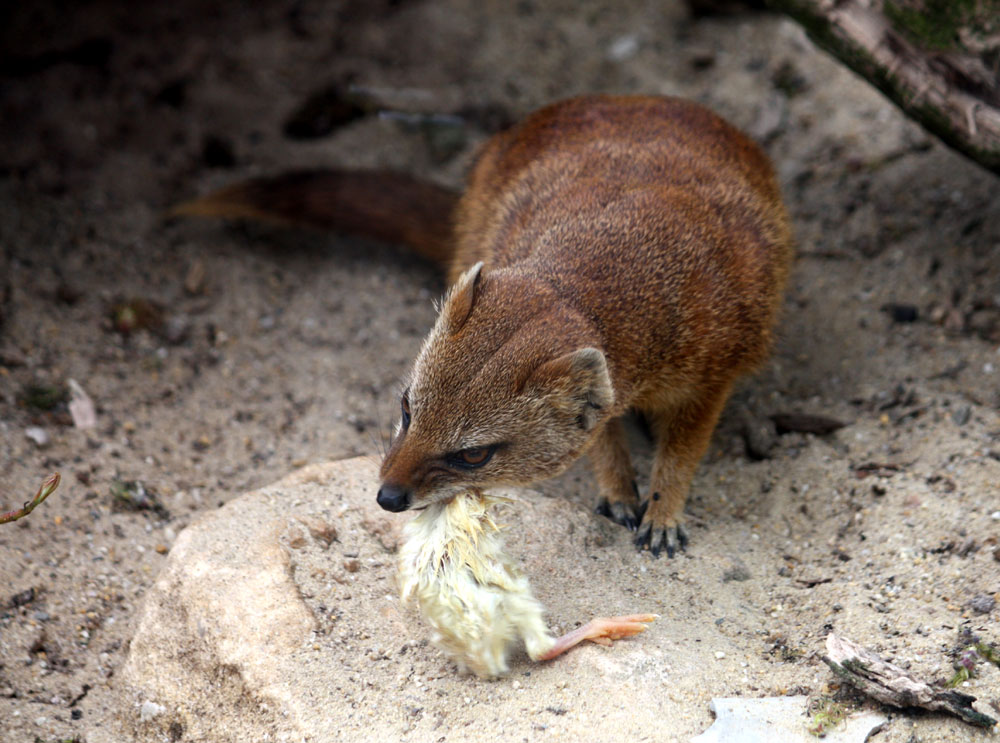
{"type": "Point", "coordinates": [780, 719]}
{"type": "Point", "coordinates": [263, 627]}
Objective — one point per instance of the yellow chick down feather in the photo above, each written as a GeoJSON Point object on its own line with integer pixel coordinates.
{"type": "Point", "coordinates": [476, 600]}
{"type": "Point", "coordinates": [468, 589]}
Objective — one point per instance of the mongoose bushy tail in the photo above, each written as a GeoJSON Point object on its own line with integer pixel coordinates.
{"type": "Point", "coordinates": [381, 204]}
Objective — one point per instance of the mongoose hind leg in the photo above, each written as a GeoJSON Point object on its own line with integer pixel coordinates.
{"type": "Point", "coordinates": [682, 438]}
{"type": "Point", "coordinates": [619, 497]}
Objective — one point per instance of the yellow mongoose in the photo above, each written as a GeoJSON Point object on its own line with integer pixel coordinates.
{"type": "Point", "coordinates": [476, 599]}
{"type": "Point", "coordinates": [608, 253]}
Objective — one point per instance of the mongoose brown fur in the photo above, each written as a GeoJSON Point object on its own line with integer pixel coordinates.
{"type": "Point", "coordinates": [609, 253]}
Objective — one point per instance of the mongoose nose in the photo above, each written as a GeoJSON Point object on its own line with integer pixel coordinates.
{"type": "Point", "coordinates": [393, 498]}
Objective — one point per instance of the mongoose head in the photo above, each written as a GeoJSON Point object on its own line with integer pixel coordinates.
{"type": "Point", "coordinates": [508, 389]}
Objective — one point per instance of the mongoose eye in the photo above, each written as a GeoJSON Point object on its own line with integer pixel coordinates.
{"type": "Point", "coordinates": [404, 405]}
{"type": "Point", "coordinates": [472, 458]}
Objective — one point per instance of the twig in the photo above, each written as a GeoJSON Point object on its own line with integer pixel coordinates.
{"type": "Point", "coordinates": [50, 484]}
{"type": "Point", "coordinates": [889, 684]}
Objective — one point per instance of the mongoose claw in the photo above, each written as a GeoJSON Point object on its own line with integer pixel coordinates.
{"type": "Point", "coordinates": [673, 539]}
{"type": "Point", "coordinates": [618, 512]}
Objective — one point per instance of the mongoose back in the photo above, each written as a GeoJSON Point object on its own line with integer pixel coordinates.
{"type": "Point", "coordinates": [609, 253]}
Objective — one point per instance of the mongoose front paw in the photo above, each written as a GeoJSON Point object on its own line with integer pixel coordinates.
{"type": "Point", "coordinates": [672, 538]}
{"type": "Point", "coordinates": [620, 513]}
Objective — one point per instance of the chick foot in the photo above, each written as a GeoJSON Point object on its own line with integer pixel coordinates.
{"type": "Point", "coordinates": [602, 630]}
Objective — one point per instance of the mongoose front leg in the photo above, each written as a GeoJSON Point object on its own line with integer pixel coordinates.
{"type": "Point", "coordinates": [618, 498]}
{"type": "Point", "coordinates": [682, 437]}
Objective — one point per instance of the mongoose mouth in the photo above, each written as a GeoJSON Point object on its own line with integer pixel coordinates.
{"type": "Point", "coordinates": [394, 498]}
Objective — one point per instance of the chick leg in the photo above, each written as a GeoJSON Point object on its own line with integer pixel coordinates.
{"type": "Point", "coordinates": [601, 630]}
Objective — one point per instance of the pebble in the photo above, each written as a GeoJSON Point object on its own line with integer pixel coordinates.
{"type": "Point", "coordinates": [961, 415]}
{"type": "Point", "coordinates": [982, 604]}
{"type": "Point", "coordinates": [719, 655]}
{"type": "Point", "coordinates": [624, 47]}
{"type": "Point", "coordinates": [736, 570]}
{"type": "Point", "coordinates": [38, 435]}
{"type": "Point", "coordinates": [148, 710]}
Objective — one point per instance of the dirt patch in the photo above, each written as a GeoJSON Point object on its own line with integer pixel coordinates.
{"type": "Point", "coordinates": [266, 349]}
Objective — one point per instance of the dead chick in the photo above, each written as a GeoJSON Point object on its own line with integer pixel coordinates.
{"type": "Point", "coordinates": [474, 596]}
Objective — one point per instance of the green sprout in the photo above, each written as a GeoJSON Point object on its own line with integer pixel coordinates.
{"type": "Point", "coordinates": [50, 484]}
{"type": "Point", "coordinates": [826, 715]}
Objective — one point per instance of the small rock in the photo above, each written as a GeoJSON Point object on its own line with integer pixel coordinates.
{"type": "Point", "coordinates": [719, 655]}
{"type": "Point", "coordinates": [148, 710]}
{"type": "Point", "coordinates": [985, 323]}
{"type": "Point", "coordinates": [967, 548]}
{"type": "Point", "coordinates": [38, 435]}
{"type": "Point", "coordinates": [76, 714]}
{"type": "Point", "coordinates": [323, 532]}
{"type": "Point", "coordinates": [68, 294]}
{"type": "Point", "coordinates": [176, 329]}
{"type": "Point", "coordinates": [759, 434]}
{"type": "Point", "coordinates": [900, 313]}
{"type": "Point", "coordinates": [982, 604]}
{"type": "Point", "coordinates": [133, 495]}
{"type": "Point", "coordinates": [194, 280]}
{"type": "Point", "coordinates": [22, 598]}
{"type": "Point", "coordinates": [769, 119]}
{"type": "Point", "coordinates": [10, 356]}
{"type": "Point", "coordinates": [40, 616]}
{"type": "Point", "coordinates": [736, 571]}
{"type": "Point", "coordinates": [702, 59]}
{"type": "Point", "coordinates": [81, 407]}
{"type": "Point", "coordinates": [624, 47]}
{"type": "Point", "coordinates": [352, 566]}
{"type": "Point", "coordinates": [960, 416]}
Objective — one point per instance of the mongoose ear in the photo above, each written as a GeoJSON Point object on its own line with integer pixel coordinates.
{"type": "Point", "coordinates": [577, 382]}
{"type": "Point", "coordinates": [458, 304]}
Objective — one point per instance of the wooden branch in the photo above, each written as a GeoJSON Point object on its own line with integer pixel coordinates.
{"type": "Point", "coordinates": [891, 685]}
{"type": "Point", "coordinates": [952, 92]}
{"type": "Point", "coordinates": [50, 484]}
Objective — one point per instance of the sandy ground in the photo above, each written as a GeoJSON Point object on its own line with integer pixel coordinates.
{"type": "Point", "coordinates": [280, 347]}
